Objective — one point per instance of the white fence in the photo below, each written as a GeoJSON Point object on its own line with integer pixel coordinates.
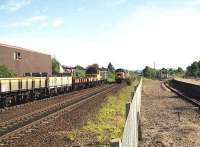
{"type": "Point", "coordinates": [130, 135]}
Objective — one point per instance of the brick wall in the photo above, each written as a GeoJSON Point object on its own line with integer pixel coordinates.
{"type": "Point", "coordinates": [30, 61]}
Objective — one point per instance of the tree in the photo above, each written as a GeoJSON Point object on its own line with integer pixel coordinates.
{"type": "Point", "coordinates": [180, 70]}
{"type": "Point", "coordinates": [6, 72]}
{"type": "Point", "coordinates": [55, 66]}
{"type": "Point", "coordinates": [80, 71]}
{"type": "Point", "coordinates": [188, 71]}
{"type": "Point", "coordinates": [149, 72]}
{"type": "Point", "coordinates": [79, 67]}
{"type": "Point", "coordinates": [193, 69]}
{"type": "Point", "coordinates": [94, 65]}
{"type": "Point", "coordinates": [110, 66]}
{"type": "Point", "coordinates": [171, 71]}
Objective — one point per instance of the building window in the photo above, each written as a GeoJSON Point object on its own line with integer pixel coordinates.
{"type": "Point", "coordinates": [17, 56]}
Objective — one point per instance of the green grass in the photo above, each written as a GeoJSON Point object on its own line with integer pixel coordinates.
{"type": "Point", "coordinates": [109, 121]}
{"type": "Point", "coordinates": [111, 76]}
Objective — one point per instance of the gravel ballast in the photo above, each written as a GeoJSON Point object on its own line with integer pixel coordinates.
{"type": "Point", "coordinates": [167, 119]}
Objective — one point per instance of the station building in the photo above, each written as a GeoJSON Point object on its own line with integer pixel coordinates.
{"type": "Point", "coordinates": [23, 61]}
{"type": "Point", "coordinates": [163, 74]}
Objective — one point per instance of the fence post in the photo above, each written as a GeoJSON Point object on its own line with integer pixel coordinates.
{"type": "Point", "coordinates": [132, 95]}
{"type": "Point", "coordinates": [115, 142]}
{"type": "Point", "coordinates": [139, 127]}
{"type": "Point", "coordinates": [128, 104]}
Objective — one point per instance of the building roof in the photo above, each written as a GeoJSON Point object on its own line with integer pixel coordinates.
{"type": "Point", "coordinates": [20, 48]}
{"type": "Point", "coordinates": [163, 69]}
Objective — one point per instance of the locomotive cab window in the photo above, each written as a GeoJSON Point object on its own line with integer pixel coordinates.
{"type": "Point", "coordinates": [17, 56]}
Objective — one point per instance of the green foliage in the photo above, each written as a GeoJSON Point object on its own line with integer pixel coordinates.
{"type": "Point", "coordinates": [133, 75]}
{"type": "Point", "coordinates": [108, 122]}
{"type": "Point", "coordinates": [193, 69]}
{"type": "Point", "coordinates": [79, 67]}
{"type": "Point", "coordinates": [111, 76]}
{"type": "Point", "coordinates": [149, 72]}
{"type": "Point", "coordinates": [180, 70]}
{"type": "Point", "coordinates": [55, 66]}
{"type": "Point", "coordinates": [176, 72]}
{"type": "Point", "coordinates": [5, 72]}
{"type": "Point", "coordinates": [79, 71]}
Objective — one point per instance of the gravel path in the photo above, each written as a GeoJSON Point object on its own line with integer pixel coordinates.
{"type": "Point", "coordinates": [161, 124]}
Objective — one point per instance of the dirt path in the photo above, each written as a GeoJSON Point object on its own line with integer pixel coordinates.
{"type": "Point", "coordinates": [160, 122]}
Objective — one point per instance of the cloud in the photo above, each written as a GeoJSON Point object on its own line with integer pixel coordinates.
{"type": "Point", "coordinates": [14, 5]}
{"type": "Point", "coordinates": [58, 22]}
{"type": "Point", "coordinates": [167, 36]}
{"type": "Point", "coordinates": [33, 21]}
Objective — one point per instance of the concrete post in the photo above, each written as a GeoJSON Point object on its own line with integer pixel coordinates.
{"type": "Point", "coordinates": [132, 95]}
{"type": "Point", "coordinates": [115, 142]}
{"type": "Point", "coordinates": [128, 104]}
{"type": "Point", "coordinates": [139, 127]}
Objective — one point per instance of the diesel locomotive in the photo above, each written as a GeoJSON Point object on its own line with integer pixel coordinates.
{"type": "Point", "coordinates": [121, 75]}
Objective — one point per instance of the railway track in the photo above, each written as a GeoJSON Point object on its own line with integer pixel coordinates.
{"type": "Point", "coordinates": [32, 106]}
{"type": "Point", "coordinates": [19, 126]}
{"type": "Point", "coordinates": [14, 106]}
{"type": "Point", "coordinates": [189, 99]}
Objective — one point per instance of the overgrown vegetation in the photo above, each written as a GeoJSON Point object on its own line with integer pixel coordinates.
{"type": "Point", "coordinates": [152, 73]}
{"type": "Point", "coordinates": [79, 72]}
{"type": "Point", "coordinates": [193, 69]}
{"type": "Point", "coordinates": [149, 72]}
{"type": "Point", "coordinates": [55, 66]}
{"type": "Point", "coordinates": [111, 73]}
{"type": "Point", "coordinates": [111, 76]}
{"type": "Point", "coordinates": [6, 72]}
{"type": "Point", "coordinates": [176, 72]}
{"type": "Point", "coordinates": [109, 121]}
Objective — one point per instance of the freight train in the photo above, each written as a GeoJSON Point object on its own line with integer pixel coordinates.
{"type": "Point", "coordinates": [14, 90]}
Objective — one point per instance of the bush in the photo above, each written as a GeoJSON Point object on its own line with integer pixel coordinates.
{"type": "Point", "coordinates": [129, 82]}
{"type": "Point", "coordinates": [6, 72]}
{"type": "Point", "coordinates": [111, 76]}
{"type": "Point", "coordinates": [55, 66]}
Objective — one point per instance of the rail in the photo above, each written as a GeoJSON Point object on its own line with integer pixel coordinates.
{"type": "Point", "coordinates": [22, 125]}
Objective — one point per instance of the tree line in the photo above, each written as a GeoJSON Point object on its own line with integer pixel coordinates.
{"type": "Point", "coordinates": [152, 73]}
{"type": "Point", "coordinates": [194, 69]}
{"type": "Point", "coordinates": [6, 72]}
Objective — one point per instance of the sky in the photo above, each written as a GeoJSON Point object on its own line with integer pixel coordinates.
{"type": "Point", "coordinates": [130, 34]}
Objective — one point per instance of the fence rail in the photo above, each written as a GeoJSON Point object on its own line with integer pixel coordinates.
{"type": "Point", "coordinates": [132, 130]}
